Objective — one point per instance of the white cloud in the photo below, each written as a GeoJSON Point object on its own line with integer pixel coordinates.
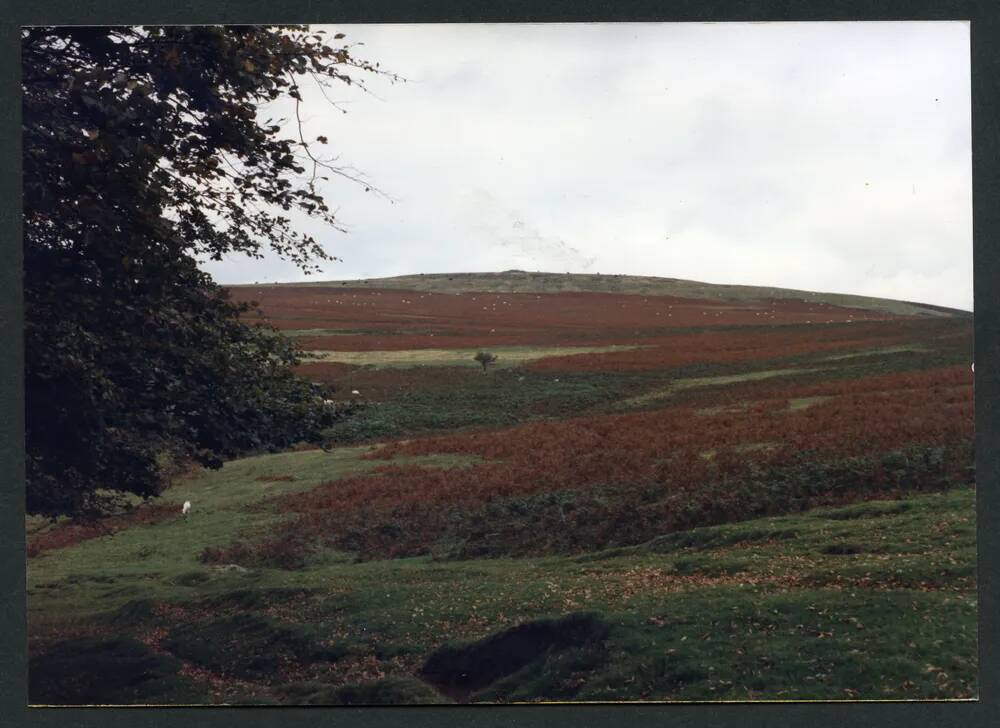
{"type": "Point", "coordinates": [826, 156]}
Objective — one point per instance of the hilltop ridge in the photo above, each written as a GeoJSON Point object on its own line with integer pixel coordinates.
{"type": "Point", "coordinates": [520, 281]}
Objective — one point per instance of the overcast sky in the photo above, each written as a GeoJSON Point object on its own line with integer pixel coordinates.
{"type": "Point", "coordinates": [822, 156]}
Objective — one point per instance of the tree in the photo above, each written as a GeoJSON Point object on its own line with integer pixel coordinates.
{"type": "Point", "coordinates": [143, 151]}
{"type": "Point", "coordinates": [485, 358]}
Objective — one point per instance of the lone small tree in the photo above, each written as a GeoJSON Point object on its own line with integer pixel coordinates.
{"type": "Point", "coordinates": [485, 358]}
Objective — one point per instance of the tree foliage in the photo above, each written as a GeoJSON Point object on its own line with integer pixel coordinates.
{"type": "Point", "coordinates": [145, 150]}
{"type": "Point", "coordinates": [485, 358]}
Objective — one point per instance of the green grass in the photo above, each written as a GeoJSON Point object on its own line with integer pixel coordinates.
{"type": "Point", "coordinates": [502, 397]}
{"type": "Point", "coordinates": [873, 600]}
{"type": "Point", "coordinates": [800, 403]}
{"type": "Point", "coordinates": [877, 352]}
{"type": "Point", "coordinates": [507, 356]}
{"type": "Point", "coordinates": [156, 561]}
{"type": "Point", "coordinates": [679, 385]}
{"type": "Point", "coordinates": [388, 691]}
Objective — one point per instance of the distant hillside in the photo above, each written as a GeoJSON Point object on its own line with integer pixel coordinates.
{"type": "Point", "coordinates": [519, 281]}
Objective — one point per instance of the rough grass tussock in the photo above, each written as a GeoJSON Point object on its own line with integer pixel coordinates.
{"type": "Point", "coordinates": [248, 646]}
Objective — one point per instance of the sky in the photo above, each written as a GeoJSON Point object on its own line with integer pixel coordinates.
{"type": "Point", "coordinates": [820, 156]}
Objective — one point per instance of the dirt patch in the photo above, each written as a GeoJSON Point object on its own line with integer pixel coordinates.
{"type": "Point", "coordinates": [191, 578]}
{"type": "Point", "coordinates": [843, 549]}
{"type": "Point", "coordinates": [457, 670]}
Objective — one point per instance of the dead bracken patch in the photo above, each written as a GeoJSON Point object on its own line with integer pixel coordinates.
{"type": "Point", "coordinates": [384, 319]}
{"type": "Point", "coordinates": [69, 534]}
{"type": "Point", "coordinates": [538, 486]}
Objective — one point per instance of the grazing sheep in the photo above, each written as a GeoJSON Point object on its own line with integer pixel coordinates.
{"type": "Point", "coordinates": [186, 508]}
{"type": "Point", "coordinates": [355, 392]}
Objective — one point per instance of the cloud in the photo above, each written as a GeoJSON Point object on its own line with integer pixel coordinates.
{"type": "Point", "coordinates": [828, 156]}
{"type": "Point", "coordinates": [493, 226]}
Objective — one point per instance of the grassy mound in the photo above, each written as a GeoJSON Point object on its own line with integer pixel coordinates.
{"type": "Point", "coordinates": [464, 668]}
{"type": "Point", "coordinates": [97, 670]}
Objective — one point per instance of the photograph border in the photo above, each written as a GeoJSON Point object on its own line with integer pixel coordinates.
{"type": "Point", "coordinates": [984, 16]}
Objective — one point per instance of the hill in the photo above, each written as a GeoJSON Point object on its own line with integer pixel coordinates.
{"type": "Point", "coordinates": [519, 281]}
{"type": "Point", "coordinates": [647, 497]}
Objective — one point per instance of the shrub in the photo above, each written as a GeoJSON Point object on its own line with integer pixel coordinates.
{"type": "Point", "coordinates": [485, 358]}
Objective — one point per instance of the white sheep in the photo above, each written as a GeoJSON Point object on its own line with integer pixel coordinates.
{"type": "Point", "coordinates": [355, 392]}
{"type": "Point", "coordinates": [186, 508]}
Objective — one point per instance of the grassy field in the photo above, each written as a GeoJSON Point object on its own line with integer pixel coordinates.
{"type": "Point", "coordinates": [744, 511]}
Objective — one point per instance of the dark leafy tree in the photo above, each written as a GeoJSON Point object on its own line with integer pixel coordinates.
{"type": "Point", "coordinates": [485, 358]}
{"type": "Point", "coordinates": [144, 150]}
